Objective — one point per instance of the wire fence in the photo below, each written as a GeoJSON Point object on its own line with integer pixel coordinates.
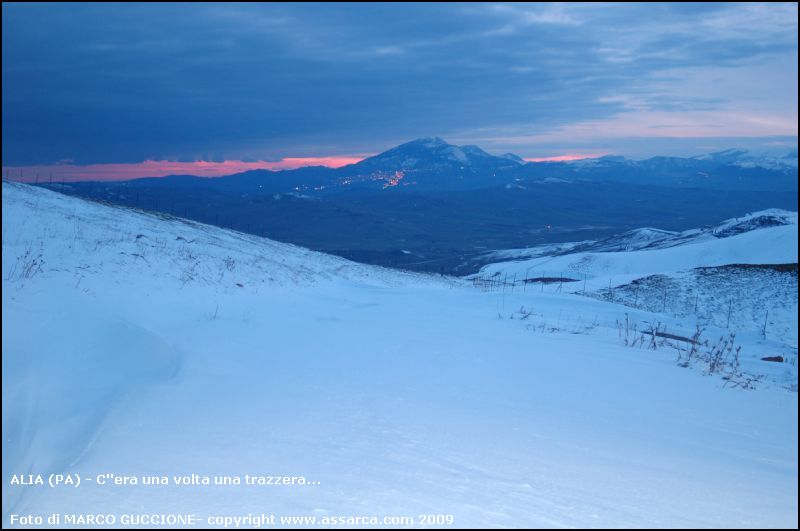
{"type": "Point", "coordinates": [500, 282]}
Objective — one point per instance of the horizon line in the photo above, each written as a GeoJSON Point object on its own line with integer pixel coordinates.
{"type": "Point", "coordinates": [68, 172]}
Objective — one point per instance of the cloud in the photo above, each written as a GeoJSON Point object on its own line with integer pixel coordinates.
{"type": "Point", "coordinates": [160, 168]}
{"type": "Point", "coordinates": [565, 157]}
{"type": "Point", "coordinates": [540, 13]}
{"type": "Point", "coordinates": [115, 83]}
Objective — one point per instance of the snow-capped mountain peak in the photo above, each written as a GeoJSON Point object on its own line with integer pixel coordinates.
{"type": "Point", "coordinates": [433, 153]}
{"type": "Point", "coordinates": [514, 157]}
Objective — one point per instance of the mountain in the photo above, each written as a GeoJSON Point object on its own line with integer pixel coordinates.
{"type": "Point", "coordinates": [433, 206]}
{"type": "Point", "coordinates": [131, 336]}
{"type": "Point", "coordinates": [728, 156]}
{"type": "Point", "coordinates": [786, 162]}
{"type": "Point", "coordinates": [513, 157]}
{"type": "Point", "coordinates": [725, 170]}
{"type": "Point", "coordinates": [432, 165]}
{"type": "Point", "coordinates": [434, 154]}
{"type": "Point", "coordinates": [422, 164]}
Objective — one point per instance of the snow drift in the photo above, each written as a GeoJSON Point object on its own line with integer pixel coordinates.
{"type": "Point", "coordinates": [139, 344]}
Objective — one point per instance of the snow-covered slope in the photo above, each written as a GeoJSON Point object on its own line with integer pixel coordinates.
{"type": "Point", "coordinates": [698, 276]}
{"type": "Point", "coordinates": [768, 237]}
{"type": "Point", "coordinates": [746, 159]}
{"type": "Point", "coordinates": [140, 345]}
{"type": "Point", "coordinates": [83, 238]}
{"type": "Point", "coordinates": [650, 238]}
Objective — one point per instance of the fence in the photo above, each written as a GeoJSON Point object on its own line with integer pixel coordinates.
{"type": "Point", "coordinates": [504, 282]}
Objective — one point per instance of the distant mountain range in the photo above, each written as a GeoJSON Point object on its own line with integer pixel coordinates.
{"type": "Point", "coordinates": [725, 170]}
{"type": "Point", "coordinates": [430, 164]}
{"type": "Point", "coordinates": [435, 206]}
{"type": "Point", "coordinates": [746, 159]}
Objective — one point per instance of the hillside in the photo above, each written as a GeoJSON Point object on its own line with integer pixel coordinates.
{"type": "Point", "coordinates": [138, 343]}
{"type": "Point", "coordinates": [768, 237]}
{"type": "Point", "coordinates": [739, 275]}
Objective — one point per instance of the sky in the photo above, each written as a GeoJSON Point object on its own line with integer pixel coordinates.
{"type": "Point", "coordinates": [109, 90]}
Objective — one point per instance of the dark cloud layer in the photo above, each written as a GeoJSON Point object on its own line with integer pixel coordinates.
{"type": "Point", "coordinates": [99, 83]}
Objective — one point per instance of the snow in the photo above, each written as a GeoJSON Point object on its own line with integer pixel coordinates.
{"type": "Point", "coordinates": [765, 218]}
{"type": "Point", "coordinates": [769, 245]}
{"type": "Point", "coordinates": [651, 238]}
{"type": "Point", "coordinates": [761, 301]}
{"type": "Point", "coordinates": [698, 277]}
{"type": "Point", "coordinates": [140, 344]}
{"type": "Point", "coordinates": [768, 159]}
{"type": "Point", "coordinates": [457, 154]}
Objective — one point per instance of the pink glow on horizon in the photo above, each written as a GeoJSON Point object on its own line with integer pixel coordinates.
{"type": "Point", "coordinates": [566, 158]}
{"type": "Point", "coordinates": [162, 168]}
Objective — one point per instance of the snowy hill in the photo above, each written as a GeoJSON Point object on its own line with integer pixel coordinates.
{"type": "Point", "coordinates": [695, 275]}
{"type": "Point", "coordinates": [649, 238]}
{"type": "Point", "coordinates": [765, 237]}
{"type": "Point", "coordinates": [117, 242]}
{"type": "Point", "coordinates": [140, 344]}
{"type": "Point", "coordinates": [773, 217]}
